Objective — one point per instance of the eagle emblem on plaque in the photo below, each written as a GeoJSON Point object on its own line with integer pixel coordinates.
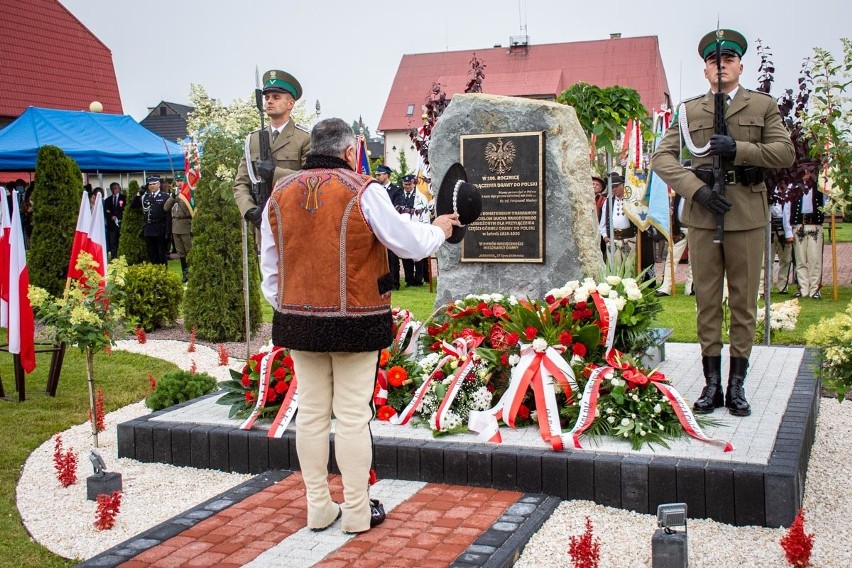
{"type": "Point", "coordinates": [500, 155]}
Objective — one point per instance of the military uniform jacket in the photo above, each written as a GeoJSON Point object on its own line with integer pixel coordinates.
{"type": "Point", "coordinates": [181, 216]}
{"type": "Point", "coordinates": [762, 140]}
{"type": "Point", "coordinates": [154, 212]}
{"type": "Point", "coordinates": [289, 152]}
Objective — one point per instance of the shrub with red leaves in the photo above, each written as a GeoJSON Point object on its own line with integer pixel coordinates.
{"type": "Point", "coordinates": [65, 463]}
{"type": "Point", "coordinates": [141, 336]}
{"type": "Point", "coordinates": [191, 348]}
{"type": "Point", "coordinates": [796, 543]}
{"type": "Point", "coordinates": [585, 549]}
{"type": "Point", "coordinates": [152, 383]}
{"type": "Point", "coordinates": [108, 506]}
{"type": "Point", "coordinates": [193, 367]}
{"type": "Point", "coordinates": [223, 355]}
{"type": "Point", "coordinates": [99, 411]}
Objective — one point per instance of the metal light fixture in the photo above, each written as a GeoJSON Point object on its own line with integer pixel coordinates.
{"type": "Point", "coordinates": [669, 545]}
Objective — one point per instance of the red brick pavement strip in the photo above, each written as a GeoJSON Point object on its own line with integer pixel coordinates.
{"type": "Point", "coordinates": [431, 528]}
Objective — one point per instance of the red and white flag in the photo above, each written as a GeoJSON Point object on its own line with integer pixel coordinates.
{"type": "Point", "coordinates": [81, 236]}
{"type": "Point", "coordinates": [5, 229]}
{"type": "Point", "coordinates": [96, 243]}
{"type": "Point", "coordinates": [21, 319]}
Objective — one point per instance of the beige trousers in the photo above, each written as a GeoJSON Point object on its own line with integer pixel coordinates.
{"type": "Point", "coordinates": [807, 248]}
{"type": "Point", "coordinates": [677, 251]}
{"type": "Point", "coordinates": [339, 383]}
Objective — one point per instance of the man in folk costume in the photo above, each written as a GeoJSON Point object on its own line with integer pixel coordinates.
{"type": "Point", "coordinates": [781, 237]}
{"type": "Point", "coordinates": [756, 139]}
{"type": "Point", "coordinates": [289, 144]}
{"type": "Point", "coordinates": [623, 230]}
{"type": "Point", "coordinates": [324, 235]}
{"type": "Point", "coordinates": [807, 217]}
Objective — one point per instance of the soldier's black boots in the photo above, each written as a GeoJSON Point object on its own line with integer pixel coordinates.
{"type": "Point", "coordinates": [735, 398]}
{"type": "Point", "coordinates": [711, 396]}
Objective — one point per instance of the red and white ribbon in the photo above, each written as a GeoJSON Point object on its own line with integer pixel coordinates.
{"type": "Point", "coordinates": [381, 396]}
{"type": "Point", "coordinates": [288, 407]}
{"type": "Point", "coordinates": [608, 313]}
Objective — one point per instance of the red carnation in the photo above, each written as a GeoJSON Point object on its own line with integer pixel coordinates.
{"type": "Point", "coordinates": [580, 305]}
{"type": "Point", "coordinates": [504, 359]}
{"type": "Point", "coordinates": [249, 396]}
{"type": "Point", "coordinates": [579, 349]}
{"type": "Point", "coordinates": [512, 339]}
{"type": "Point", "coordinates": [281, 387]}
{"type": "Point", "coordinates": [246, 381]}
{"type": "Point", "coordinates": [565, 338]}
{"type": "Point", "coordinates": [523, 412]}
{"type": "Point", "coordinates": [385, 413]}
{"type": "Point", "coordinates": [530, 333]}
{"type": "Point", "coordinates": [271, 396]}
{"type": "Point", "coordinates": [287, 362]}
{"type": "Point", "coordinates": [487, 313]}
{"type": "Point", "coordinates": [439, 375]}
{"type": "Point", "coordinates": [280, 373]}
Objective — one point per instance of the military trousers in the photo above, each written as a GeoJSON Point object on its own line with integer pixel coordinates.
{"type": "Point", "coordinates": [807, 247]}
{"type": "Point", "coordinates": [739, 257]}
{"type": "Point", "coordinates": [339, 383]}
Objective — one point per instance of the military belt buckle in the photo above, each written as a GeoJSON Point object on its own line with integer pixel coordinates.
{"type": "Point", "coordinates": [731, 177]}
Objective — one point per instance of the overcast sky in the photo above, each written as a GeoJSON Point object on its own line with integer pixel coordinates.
{"type": "Point", "coordinates": [346, 53]}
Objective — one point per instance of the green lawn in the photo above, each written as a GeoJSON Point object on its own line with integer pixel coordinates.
{"type": "Point", "coordinates": [26, 425]}
{"type": "Point", "coordinates": [844, 232]}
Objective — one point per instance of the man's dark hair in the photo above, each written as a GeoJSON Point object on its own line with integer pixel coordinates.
{"type": "Point", "coordinates": [114, 184]}
{"type": "Point", "coordinates": [331, 137]}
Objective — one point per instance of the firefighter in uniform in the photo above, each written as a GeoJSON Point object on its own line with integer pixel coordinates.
{"type": "Point", "coordinates": [756, 139]}
{"type": "Point", "coordinates": [289, 144]}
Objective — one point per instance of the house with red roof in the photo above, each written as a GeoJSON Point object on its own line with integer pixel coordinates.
{"type": "Point", "coordinates": [520, 70]}
{"type": "Point", "coordinates": [49, 59]}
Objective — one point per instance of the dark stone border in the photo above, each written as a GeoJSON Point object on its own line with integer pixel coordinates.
{"type": "Point", "coordinates": [150, 538]}
{"type": "Point", "coordinates": [501, 545]}
{"type": "Point", "coordinates": [728, 492]}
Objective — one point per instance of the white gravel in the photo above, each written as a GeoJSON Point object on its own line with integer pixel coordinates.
{"type": "Point", "coordinates": [61, 519]}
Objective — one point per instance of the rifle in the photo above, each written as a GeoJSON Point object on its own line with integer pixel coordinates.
{"type": "Point", "coordinates": [260, 190]}
{"type": "Point", "coordinates": [719, 127]}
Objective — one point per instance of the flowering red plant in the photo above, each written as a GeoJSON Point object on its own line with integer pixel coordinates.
{"type": "Point", "coordinates": [99, 410]}
{"type": "Point", "coordinates": [192, 332]}
{"type": "Point", "coordinates": [244, 387]}
{"type": "Point", "coordinates": [141, 336]}
{"type": "Point", "coordinates": [152, 383]}
{"type": "Point", "coordinates": [585, 549]}
{"type": "Point", "coordinates": [223, 355]}
{"type": "Point", "coordinates": [108, 506]}
{"type": "Point", "coordinates": [65, 463]}
{"type": "Point", "coordinates": [796, 543]}
{"type": "Point", "coordinates": [193, 367]}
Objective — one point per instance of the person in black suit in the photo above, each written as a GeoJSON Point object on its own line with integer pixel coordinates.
{"type": "Point", "coordinates": [113, 212]}
{"type": "Point", "coordinates": [152, 203]}
{"type": "Point", "coordinates": [395, 193]}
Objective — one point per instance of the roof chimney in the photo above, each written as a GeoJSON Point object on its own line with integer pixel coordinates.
{"type": "Point", "coordinates": [615, 35]}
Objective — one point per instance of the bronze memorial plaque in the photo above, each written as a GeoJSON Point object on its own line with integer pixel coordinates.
{"type": "Point", "coordinates": [508, 168]}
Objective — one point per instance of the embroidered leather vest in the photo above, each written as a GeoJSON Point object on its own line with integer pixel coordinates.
{"type": "Point", "coordinates": [329, 265]}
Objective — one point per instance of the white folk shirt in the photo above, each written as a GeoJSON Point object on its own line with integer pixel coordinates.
{"type": "Point", "coordinates": [620, 221]}
{"type": "Point", "coordinates": [405, 238]}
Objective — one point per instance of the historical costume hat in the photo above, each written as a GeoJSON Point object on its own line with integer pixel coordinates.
{"type": "Point", "coordinates": [616, 179]}
{"type": "Point", "coordinates": [279, 81]}
{"type": "Point", "coordinates": [456, 195]}
{"type": "Point", "coordinates": [732, 43]}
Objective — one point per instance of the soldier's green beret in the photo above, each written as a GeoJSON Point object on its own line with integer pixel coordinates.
{"type": "Point", "coordinates": [279, 81]}
{"type": "Point", "coordinates": [733, 43]}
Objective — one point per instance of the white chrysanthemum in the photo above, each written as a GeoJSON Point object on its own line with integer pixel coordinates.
{"type": "Point", "coordinates": [447, 380]}
{"type": "Point", "coordinates": [613, 280]}
{"type": "Point", "coordinates": [428, 362]}
{"type": "Point", "coordinates": [625, 422]}
{"type": "Point", "coordinates": [480, 399]}
{"type": "Point", "coordinates": [514, 359]}
{"type": "Point", "coordinates": [539, 344]}
{"type": "Point", "coordinates": [657, 409]}
{"type": "Point", "coordinates": [451, 421]}
{"type": "Point", "coordinates": [609, 410]}
{"type": "Point", "coordinates": [603, 289]}
{"type": "Point", "coordinates": [610, 419]}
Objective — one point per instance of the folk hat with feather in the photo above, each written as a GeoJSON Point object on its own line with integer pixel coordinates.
{"type": "Point", "coordinates": [456, 195]}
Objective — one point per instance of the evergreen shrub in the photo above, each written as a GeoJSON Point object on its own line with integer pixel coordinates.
{"type": "Point", "coordinates": [214, 303]}
{"type": "Point", "coordinates": [56, 202]}
{"type": "Point", "coordinates": [179, 386]}
{"type": "Point", "coordinates": [153, 295]}
{"type": "Point", "coordinates": [131, 245]}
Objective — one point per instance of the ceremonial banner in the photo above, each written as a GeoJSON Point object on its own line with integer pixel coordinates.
{"type": "Point", "coordinates": [81, 236]}
{"type": "Point", "coordinates": [635, 205]}
{"type": "Point", "coordinates": [362, 159]}
{"type": "Point", "coordinates": [96, 243]}
{"type": "Point", "coordinates": [658, 191]}
{"type": "Point", "coordinates": [21, 318]}
{"type": "Point", "coordinates": [5, 230]}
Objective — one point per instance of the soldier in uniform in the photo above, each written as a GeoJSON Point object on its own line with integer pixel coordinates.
{"type": "Point", "coordinates": [181, 228]}
{"type": "Point", "coordinates": [152, 203]}
{"type": "Point", "coordinates": [289, 144]}
{"type": "Point", "coordinates": [756, 140]}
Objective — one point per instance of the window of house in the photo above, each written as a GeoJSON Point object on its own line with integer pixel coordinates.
{"type": "Point", "coordinates": [163, 111]}
{"type": "Point", "coordinates": [410, 110]}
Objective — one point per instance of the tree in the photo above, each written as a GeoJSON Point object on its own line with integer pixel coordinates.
{"type": "Point", "coordinates": [356, 128]}
{"type": "Point", "coordinates": [56, 201]}
{"type": "Point", "coordinates": [403, 169]}
{"type": "Point", "coordinates": [131, 245]}
{"type": "Point", "coordinates": [603, 113]}
{"type": "Point", "coordinates": [214, 303]}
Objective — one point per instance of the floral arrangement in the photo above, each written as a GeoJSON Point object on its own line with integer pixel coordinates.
{"type": "Point", "coordinates": [585, 549]}
{"type": "Point", "coordinates": [796, 543]}
{"type": "Point", "coordinates": [834, 336]}
{"type": "Point", "coordinates": [782, 315]}
{"type": "Point", "coordinates": [242, 390]}
{"type": "Point", "coordinates": [397, 367]}
{"type": "Point", "coordinates": [108, 506]}
{"type": "Point", "coordinates": [65, 463]}
{"type": "Point", "coordinates": [90, 317]}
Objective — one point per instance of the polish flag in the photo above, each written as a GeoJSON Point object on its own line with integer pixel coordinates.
{"type": "Point", "coordinates": [5, 228]}
{"type": "Point", "coordinates": [96, 242]}
{"type": "Point", "coordinates": [21, 319]}
{"type": "Point", "coordinates": [81, 236]}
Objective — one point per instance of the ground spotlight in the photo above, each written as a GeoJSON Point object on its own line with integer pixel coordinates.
{"type": "Point", "coordinates": [668, 545]}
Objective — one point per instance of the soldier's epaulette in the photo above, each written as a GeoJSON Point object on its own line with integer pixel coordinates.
{"type": "Point", "coordinates": [760, 93]}
{"type": "Point", "coordinates": [302, 128]}
{"type": "Point", "coordinates": [684, 101]}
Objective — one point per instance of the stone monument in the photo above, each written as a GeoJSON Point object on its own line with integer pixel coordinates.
{"type": "Point", "coordinates": [538, 228]}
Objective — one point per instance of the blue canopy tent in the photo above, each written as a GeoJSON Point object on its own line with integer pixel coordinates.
{"type": "Point", "coordinates": [97, 142]}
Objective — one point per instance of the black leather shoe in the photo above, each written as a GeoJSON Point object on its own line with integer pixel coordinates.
{"type": "Point", "coordinates": [377, 512]}
{"type": "Point", "coordinates": [783, 290]}
{"type": "Point", "coordinates": [735, 398]}
{"type": "Point", "coordinates": [711, 396]}
{"type": "Point", "coordinates": [816, 296]}
{"type": "Point", "coordinates": [797, 295]}
{"type": "Point", "coordinates": [659, 293]}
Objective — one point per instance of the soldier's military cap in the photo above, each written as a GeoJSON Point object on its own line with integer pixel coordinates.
{"type": "Point", "coordinates": [383, 170]}
{"type": "Point", "coordinates": [279, 81]}
{"type": "Point", "coordinates": [408, 179]}
{"type": "Point", "coordinates": [153, 179]}
{"type": "Point", "coordinates": [733, 43]}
